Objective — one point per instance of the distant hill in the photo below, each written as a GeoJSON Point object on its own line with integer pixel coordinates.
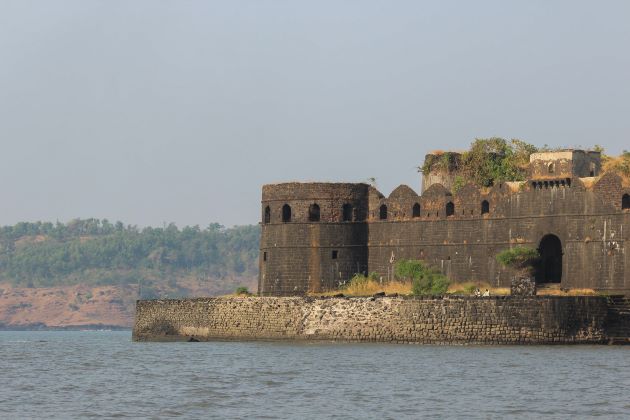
{"type": "Point", "coordinates": [88, 264]}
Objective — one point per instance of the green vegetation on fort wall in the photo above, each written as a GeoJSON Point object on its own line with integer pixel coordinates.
{"type": "Point", "coordinates": [486, 162]}
{"type": "Point", "coordinates": [97, 252]}
{"type": "Point", "coordinates": [521, 258]}
{"type": "Point", "coordinates": [425, 280]}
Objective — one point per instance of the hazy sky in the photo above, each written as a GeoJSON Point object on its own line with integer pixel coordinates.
{"type": "Point", "coordinates": [178, 111]}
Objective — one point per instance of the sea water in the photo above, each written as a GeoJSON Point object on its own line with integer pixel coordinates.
{"type": "Point", "coordinates": [105, 374]}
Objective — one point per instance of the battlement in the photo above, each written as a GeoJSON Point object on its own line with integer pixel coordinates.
{"type": "Point", "coordinates": [316, 236]}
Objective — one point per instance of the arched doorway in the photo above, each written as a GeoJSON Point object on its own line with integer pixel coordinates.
{"type": "Point", "coordinates": [549, 269]}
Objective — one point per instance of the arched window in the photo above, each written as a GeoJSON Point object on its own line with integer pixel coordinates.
{"type": "Point", "coordinates": [267, 215]}
{"type": "Point", "coordinates": [415, 212]}
{"type": "Point", "coordinates": [450, 209]}
{"type": "Point", "coordinates": [625, 201]}
{"type": "Point", "coordinates": [286, 213]}
{"type": "Point", "coordinates": [383, 212]}
{"type": "Point", "coordinates": [313, 213]}
{"type": "Point", "coordinates": [485, 207]}
{"type": "Point", "coordinates": [347, 212]}
{"type": "Point", "coordinates": [550, 168]}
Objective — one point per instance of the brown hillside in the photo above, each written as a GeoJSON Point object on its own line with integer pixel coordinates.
{"type": "Point", "coordinates": [84, 306]}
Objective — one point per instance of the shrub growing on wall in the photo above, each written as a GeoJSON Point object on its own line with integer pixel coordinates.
{"type": "Point", "coordinates": [425, 280]}
{"type": "Point", "coordinates": [520, 258]}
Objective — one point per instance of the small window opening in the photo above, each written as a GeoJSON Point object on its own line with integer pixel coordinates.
{"type": "Point", "coordinates": [335, 254]}
{"type": "Point", "coordinates": [347, 212]}
{"type": "Point", "coordinates": [267, 218]}
{"type": "Point", "coordinates": [550, 168]}
{"type": "Point", "coordinates": [383, 212]}
{"type": "Point", "coordinates": [533, 185]}
{"type": "Point", "coordinates": [625, 202]}
{"type": "Point", "coordinates": [450, 209]}
{"type": "Point", "coordinates": [415, 212]}
{"type": "Point", "coordinates": [286, 213]}
{"type": "Point", "coordinates": [264, 256]}
{"type": "Point", "coordinates": [313, 213]}
{"type": "Point", "coordinates": [485, 207]}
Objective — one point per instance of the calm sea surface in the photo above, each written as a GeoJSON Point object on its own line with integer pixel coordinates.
{"type": "Point", "coordinates": [93, 374]}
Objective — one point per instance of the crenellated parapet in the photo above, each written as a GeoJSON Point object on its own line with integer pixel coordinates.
{"type": "Point", "coordinates": [316, 236]}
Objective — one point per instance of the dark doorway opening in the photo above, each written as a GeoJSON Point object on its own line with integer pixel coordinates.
{"type": "Point", "coordinates": [549, 267]}
{"type": "Point", "coordinates": [383, 212]}
{"type": "Point", "coordinates": [485, 207]}
{"type": "Point", "coordinates": [450, 209]}
{"type": "Point", "coordinates": [267, 215]}
{"type": "Point", "coordinates": [625, 202]}
{"type": "Point", "coordinates": [347, 212]}
{"type": "Point", "coordinates": [286, 213]}
{"type": "Point", "coordinates": [313, 213]}
{"type": "Point", "coordinates": [415, 211]}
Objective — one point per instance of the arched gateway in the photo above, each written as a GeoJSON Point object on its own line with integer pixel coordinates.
{"type": "Point", "coordinates": [549, 268]}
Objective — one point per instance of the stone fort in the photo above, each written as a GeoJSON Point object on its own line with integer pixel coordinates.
{"type": "Point", "coordinates": [315, 236]}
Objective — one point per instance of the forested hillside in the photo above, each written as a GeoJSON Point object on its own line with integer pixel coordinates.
{"type": "Point", "coordinates": [98, 253]}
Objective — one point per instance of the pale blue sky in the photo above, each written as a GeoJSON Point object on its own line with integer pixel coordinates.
{"type": "Point", "coordinates": [178, 111]}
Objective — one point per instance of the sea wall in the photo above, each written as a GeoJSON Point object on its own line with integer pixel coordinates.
{"type": "Point", "coordinates": [452, 320]}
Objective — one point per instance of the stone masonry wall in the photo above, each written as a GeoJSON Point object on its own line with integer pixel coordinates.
{"type": "Point", "coordinates": [452, 320]}
{"type": "Point", "coordinates": [586, 216]}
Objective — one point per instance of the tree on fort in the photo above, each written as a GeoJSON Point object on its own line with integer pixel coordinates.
{"type": "Point", "coordinates": [487, 162]}
{"type": "Point", "coordinates": [520, 258]}
{"type": "Point", "coordinates": [425, 280]}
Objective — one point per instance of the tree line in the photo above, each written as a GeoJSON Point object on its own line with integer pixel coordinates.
{"type": "Point", "coordinates": [98, 252]}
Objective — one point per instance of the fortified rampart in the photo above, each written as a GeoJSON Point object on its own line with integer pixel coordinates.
{"type": "Point", "coordinates": [315, 236]}
{"type": "Point", "coordinates": [453, 320]}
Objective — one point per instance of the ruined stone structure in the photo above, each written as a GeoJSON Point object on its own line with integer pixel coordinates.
{"type": "Point", "coordinates": [315, 236]}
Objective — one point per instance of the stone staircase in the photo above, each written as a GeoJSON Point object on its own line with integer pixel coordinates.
{"type": "Point", "coordinates": [618, 324]}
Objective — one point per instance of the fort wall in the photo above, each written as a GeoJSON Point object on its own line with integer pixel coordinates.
{"type": "Point", "coordinates": [460, 233]}
{"type": "Point", "coordinates": [453, 320]}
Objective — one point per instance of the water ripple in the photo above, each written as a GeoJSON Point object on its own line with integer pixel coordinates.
{"type": "Point", "coordinates": [104, 374]}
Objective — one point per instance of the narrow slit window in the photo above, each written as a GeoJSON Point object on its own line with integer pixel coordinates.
{"type": "Point", "coordinates": [267, 218]}
{"type": "Point", "coordinates": [335, 254]}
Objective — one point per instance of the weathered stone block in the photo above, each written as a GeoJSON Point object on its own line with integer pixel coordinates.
{"type": "Point", "coordinates": [523, 286]}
